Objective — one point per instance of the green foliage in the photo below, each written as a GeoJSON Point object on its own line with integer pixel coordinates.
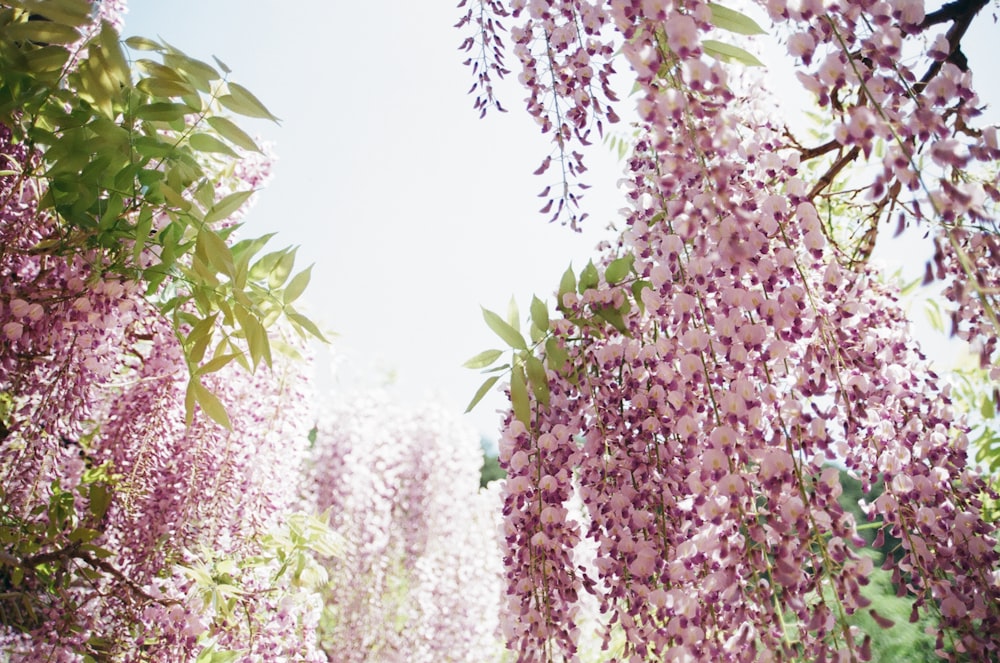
{"type": "Point", "coordinates": [56, 544]}
{"type": "Point", "coordinates": [903, 641]}
{"type": "Point", "coordinates": [491, 470]}
{"type": "Point", "coordinates": [529, 363]}
{"type": "Point", "coordinates": [128, 158]}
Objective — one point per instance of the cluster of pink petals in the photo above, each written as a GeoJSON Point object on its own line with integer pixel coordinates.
{"type": "Point", "coordinates": [419, 578]}
{"type": "Point", "coordinates": [701, 438]}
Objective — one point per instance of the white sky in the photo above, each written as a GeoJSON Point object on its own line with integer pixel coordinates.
{"type": "Point", "coordinates": [414, 210]}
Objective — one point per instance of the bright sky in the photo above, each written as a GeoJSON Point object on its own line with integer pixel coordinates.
{"type": "Point", "coordinates": [414, 211]}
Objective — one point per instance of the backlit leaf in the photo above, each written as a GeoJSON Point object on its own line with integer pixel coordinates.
{"type": "Point", "coordinates": [589, 278]}
{"type": "Point", "coordinates": [162, 111]}
{"type": "Point", "coordinates": [538, 379]}
{"type": "Point", "coordinates": [513, 314]}
{"type": "Point", "coordinates": [306, 324]}
{"type": "Point", "coordinates": [729, 53]}
{"type": "Point", "coordinates": [619, 269]}
{"type": "Point", "coordinates": [228, 130]}
{"type": "Point", "coordinates": [211, 405]}
{"type": "Point", "coordinates": [519, 396]}
{"type": "Point", "coordinates": [209, 143]}
{"type": "Point", "coordinates": [725, 18]}
{"type": "Point", "coordinates": [481, 392]}
{"type": "Point", "coordinates": [510, 336]}
{"type": "Point", "coordinates": [483, 359]}
{"type": "Point", "coordinates": [70, 12]}
{"type": "Point", "coordinates": [241, 100]}
{"type": "Point", "coordinates": [162, 87]}
{"type": "Point", "coordinates": [296, 286]}
{"type": "Point", "coordinates": [225, 207]}
{"type": "Point", "coordinates": [41, 32]}
{"type": "Point", "coordinates": [539, 314]}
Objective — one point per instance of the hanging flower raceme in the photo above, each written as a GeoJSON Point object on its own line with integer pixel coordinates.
{"type": "Point", "coordinates": [710, 372]}
{"type": "Point", "coordinates": [419, 576]}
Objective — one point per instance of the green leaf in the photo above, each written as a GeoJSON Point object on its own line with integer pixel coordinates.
{"type": "Point", "coordinates": [510, 336]}
{"type": "Point", "coordinates": [41, 32]}
{"type": "Point", "coordinates": [46, 59]}
{"type": "Point", "coordinates": [163, 87]}
{"type": "Point", "coordinates": [215, 364]}
{"type": "Point", "coordinates": [224, 208]}
{"type": "Point", "coordinates": [483, 359]}
{"type": "Point", "coordinates": [209, 143]}
{"type": "Point", "coordinates": [69, 12]}
{"type": "Point", "coordinates": [296, 286]}
{"type": "Point", "coordinates": [614, 317]}
{"type": "Point", "coordinates": [729, 53]}
{"type": "Point", "coordinates": [222, 65]}
{"type": "Point", "coordinates": [619, 269]}
{"type": "Point", "coordinates": [566, 284]}
{"type": "Point", "coordinates": [256, 336]}
{"type": "Point", "coordinates": [539, 314]}
{"type": "Point", "coordinates": [519, 396]}
{"type": "Point", "coordinates": [637, 287]}
{"type": "Point", "coordinates": [589, 278]}
{"type": "Point", "coordinates": [100, 500]}
{"type": "Point", "coordinates": [231, 132]}
{"type": "Point", "coordinates": [111, 49]}
{"type": "Point", "coordinates": [282, 270]}
{"type": "Point", "coordinates": [513, 314]}
{"type": "Point", "coordinates": [555, 354]}
{"type": "Point", "coordinates": [143, 44]}
{"type": "Point", "coordinates": [725, 18]}
{"type": "Point", "coordinates": [209, 403]}
{"type": "Point", "coordinates": [241, 100]}
{"type": "Point", "coordinates": [215, 251]}
{"type": "Point", "coordinates": [538, 379]}
{"type": "Point", "coordinates": [987, 408]}
{"type": "Point", "coordinates": [481, 392]}
{"type": "Point", "coordinates": [162, 111]}
{"type": "Point", "coordinates": [194, 71]}
{"type": "Point", "coordinates": [306, 324]}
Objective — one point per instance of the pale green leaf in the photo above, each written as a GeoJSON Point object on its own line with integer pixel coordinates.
{"type": "Point", "coordinates": [41, 32]}
{"type": "Point", "coordinates": [588, 278]}
{"type": "Point", "coordinates": [162, 111]}
{"type": "Point", "coordinates": [210, 144]}
{"type": "Point", "coordinates": [231, 132]}
{"type": "Point", "coordinates": [225, 207]}
{"type": "Point", "coordinates": [483, 359]}
{"type": "Point", "coordinates": [305, 323]}
{"type": "Point", "coordinates": [296, 286]}
{"type": "Point", "coordinates": [538, 379]}
{"type": "Point", "coordinates": [513, 314]}
{"type": "Point", "coordinates": [222, 65]}
{"type": "Point", "coordinates": [619, 269]}
{"type": "Point", "coordinates": [482, 391]}
{"type": "Point", "coordinates": [539, 314]}
{"type": "Point", "coordinates": [70, 12]}
{"type": "Point", "coordinates": [725, 18]}
{"type": "Point", "coordinates": [510, 336]}
{"type": "Point", "coordinates": [519, 396]}
{"type": "Point", "coordinates": [729, 53]}
{"type": "Point", "coordinates": [209, 403]}
{"type": "Point", "coordinates": [241, 100]}
{"type": "Point", "coordinates": [281, 270]}
{"type": "Point", "coordinates": [162, 87]}
{"type": "Point", "coordinates": [567, 283]}
{"type": "Point", "coordinates": [555, 354]}
{"type": "Point", "coordinates": [143, 44]}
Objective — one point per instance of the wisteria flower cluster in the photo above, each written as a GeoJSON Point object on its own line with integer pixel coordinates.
{"type": "Point", "coordinates": [419, 576]}
{"type": "Point", "coordinates": [727, 353]}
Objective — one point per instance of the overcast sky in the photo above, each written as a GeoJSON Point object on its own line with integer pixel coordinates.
{"type": "Point", "coordinates": [414, 211]}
